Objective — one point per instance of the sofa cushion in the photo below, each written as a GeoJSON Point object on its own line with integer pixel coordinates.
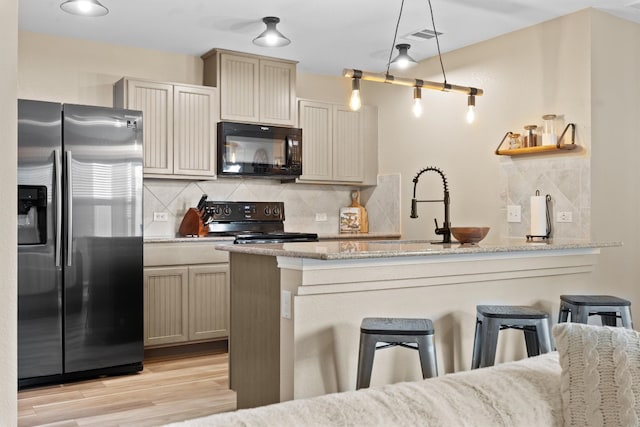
{"type": "Point", "coordinates": [600, 380]}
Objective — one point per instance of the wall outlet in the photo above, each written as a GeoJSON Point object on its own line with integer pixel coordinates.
{"type": "Point", "coordinates": [321, 216]}
{"type": "Point", "coordinates": [285, 304]}
{"type": "Point", "coordinates": [514, 213]}
{"type": "Point", "coordinates": [160, 216]}
{"type": "Point", "coordinates": [564, 217]}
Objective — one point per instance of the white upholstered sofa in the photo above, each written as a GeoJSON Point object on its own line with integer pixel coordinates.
{"type": "Point", "coordinates": [593, 379]}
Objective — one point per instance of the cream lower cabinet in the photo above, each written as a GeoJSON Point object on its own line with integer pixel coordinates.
{"type": "Point", "coordinates": [184, 303]}
{"type": "Point", "coordinates": [338, 145]}
{"type": "Point", "coordinates": [179, 126]}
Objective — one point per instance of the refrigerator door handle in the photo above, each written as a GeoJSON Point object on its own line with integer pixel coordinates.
{"type": "Point", "coordinates": [69, 209]}
{"type": "Point", "coordinates": [58, 177]}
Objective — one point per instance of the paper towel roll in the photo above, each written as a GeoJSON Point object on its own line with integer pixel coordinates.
{"type": "Point", "coordinates": [538, 216]}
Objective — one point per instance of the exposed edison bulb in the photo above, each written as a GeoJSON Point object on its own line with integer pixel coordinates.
{"type": "Point", "coordinates": [354, 102]}
{"type": "Point", "coordinates": [417, 107]}
{"type": "Point", "coordinates": [471, 114]}
{"type": "Point", "coordinates": [417, 102]}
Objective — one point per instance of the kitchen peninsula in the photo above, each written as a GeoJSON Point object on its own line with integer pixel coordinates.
{"type": "Point", "coordinates": [296, 308]}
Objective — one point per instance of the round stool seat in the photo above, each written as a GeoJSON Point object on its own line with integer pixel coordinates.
{"type": "Point", "coordinates": [396, 326]}
{"type": "Point", "coordinates": [511, 312]}
{"type": "Point", "coordinates": [595, 300]}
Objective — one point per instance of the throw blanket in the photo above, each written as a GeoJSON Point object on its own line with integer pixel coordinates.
{"type": "Point", "coordinates": [522, 393]}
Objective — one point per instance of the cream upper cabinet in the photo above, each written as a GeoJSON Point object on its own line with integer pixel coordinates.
{"type": "Point", "coordinates": [195, 112]}
{"type": "Point", "coordinates": [178, 126]}
{"type": "Point", "coordinates": [316, 121]}
{"type": "Point", "coordinates": [338, 145]}
{"type": "Point", "coordinates": [253, 88]}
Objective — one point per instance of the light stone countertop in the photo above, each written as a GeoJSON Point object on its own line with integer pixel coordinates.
{"type": "Point", "coordinates": [219, 239]}
{"type": "Point", "coordinates": [360, 249]}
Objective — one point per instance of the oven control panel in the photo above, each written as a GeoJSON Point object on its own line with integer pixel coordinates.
{"type": "Point", "coordinates": [243, 211]}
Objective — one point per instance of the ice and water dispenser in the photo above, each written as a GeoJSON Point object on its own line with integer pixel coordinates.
{"type": "Point", "coordinates": [32, 214]}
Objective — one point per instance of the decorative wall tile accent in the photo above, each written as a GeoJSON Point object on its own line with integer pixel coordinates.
{"type": "Point", "coordinates": [566, 179]}
{"type": "Point", "coordinates": [302, 202]}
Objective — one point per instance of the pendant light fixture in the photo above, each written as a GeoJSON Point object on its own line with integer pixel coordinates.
{"type": "Point", "coordinates": [271, 37]}
{"type": "Point", "coordinates": [416, 84]}
{"type": "Point", "coordinates": [403, 60]}
{"type": "Point", "coordinates": [84, 8]}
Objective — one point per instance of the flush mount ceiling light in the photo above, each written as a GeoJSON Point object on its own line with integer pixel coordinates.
{"type": "Point", "coordinates": [271, 37]}
{"type": "Point", "coordinates": [417, 84]}
{"type": "Point", "coordinates": [403, 60]}
{"type": "Point", "coordinates": [84, 8]}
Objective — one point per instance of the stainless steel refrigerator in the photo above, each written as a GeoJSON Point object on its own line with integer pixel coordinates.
{"type": "Point", "coordinates": [80, 291]}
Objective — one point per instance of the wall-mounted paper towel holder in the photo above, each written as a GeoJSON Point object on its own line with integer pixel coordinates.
{"type": "Point", "coordinates": [540, 211]}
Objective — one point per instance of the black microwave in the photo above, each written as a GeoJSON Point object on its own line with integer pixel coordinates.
{"type": "Point", "coordinates": [259, 151]}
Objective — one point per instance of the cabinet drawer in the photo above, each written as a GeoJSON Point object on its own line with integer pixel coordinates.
{"type": "Point", "coordinates": [183, 253]}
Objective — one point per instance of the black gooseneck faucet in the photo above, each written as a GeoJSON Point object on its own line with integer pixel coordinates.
{"type": "Point", "coordinates": [445, 231]}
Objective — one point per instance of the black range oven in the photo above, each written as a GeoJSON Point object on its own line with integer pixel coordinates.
{"type": "Point", "coordinates": [251, 222]}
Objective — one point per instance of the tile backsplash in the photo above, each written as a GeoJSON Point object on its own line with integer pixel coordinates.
{"type": "Point", "coordinates": [566, 179]}
{"type": "Point", "coordinates": [302, 202]}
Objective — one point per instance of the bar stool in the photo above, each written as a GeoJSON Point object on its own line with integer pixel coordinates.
{"type": "Point", "coordinates": [491, 319]}
{"type": "Point", "coordinates": [416, 334]}
{"type": "Point", "coordinates": [608, 307]}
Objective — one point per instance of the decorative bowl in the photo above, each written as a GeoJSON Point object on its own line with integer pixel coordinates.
{"type": "Point", "coordinates": [469, 235]}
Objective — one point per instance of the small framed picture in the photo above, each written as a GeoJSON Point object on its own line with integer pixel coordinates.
{"type": "Point", "coordinates": [349, 220]}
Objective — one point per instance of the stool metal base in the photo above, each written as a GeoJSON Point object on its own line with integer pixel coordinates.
{"type": "Point", "coordinates": [491, 319]}
{"type": "Point", "coordinates": [416, 334]}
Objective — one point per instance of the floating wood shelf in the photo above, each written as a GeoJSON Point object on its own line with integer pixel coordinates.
{"type": "Point", "coordinates": [559, 147]}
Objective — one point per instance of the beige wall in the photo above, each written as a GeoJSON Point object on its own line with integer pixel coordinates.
{"type": "Point", "coordinates": [8, 254]}
{"type": "Point", "coordinates": [615, 91]}
{"type": "Point", "coordinates": [77, 71]}
{"type": "Point", "coordinates": [525, 74]}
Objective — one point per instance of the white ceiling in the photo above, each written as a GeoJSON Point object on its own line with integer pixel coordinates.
{"type": "Point", "coordinates": [326, 35]}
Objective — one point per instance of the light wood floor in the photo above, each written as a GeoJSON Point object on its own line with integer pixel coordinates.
{"type": "Point", "coordinates": [169, 389]}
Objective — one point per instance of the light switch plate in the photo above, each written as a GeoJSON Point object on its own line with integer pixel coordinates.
{"type": "Point", "coordinates": [514, 213]}
{"type": "Point", "coordinates": [160, 216]}
{"type": "Point", "coordinates": [564, 217]}
{"type": "Point", "coordinates": [285, 304]}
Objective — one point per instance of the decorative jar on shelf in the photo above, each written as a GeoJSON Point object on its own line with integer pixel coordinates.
{"type": "Point", "coordinates": [549, 130]}
{"type": "Point", "coordinates": [514, 141]}
{"type": "Point", "coordinates": [530, 139]}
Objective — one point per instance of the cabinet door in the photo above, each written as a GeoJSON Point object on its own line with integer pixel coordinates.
{"type": "Point", "coordinates": [155, 100]}
{"type": "Point", "coordinates": [239, 80]}
{"type": "Point", "coordinates": [166, 305]}
{"type": "Point", "coordinates": [316, 121]}
{"type": "Point", "coordinates": [195, 113]}
{"type": "Point", "coordinates": [347, 145]}
{"type": "Point", "coordinates": [277, 92]}
{"type": "Point", "coordinates": [208, 301]}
